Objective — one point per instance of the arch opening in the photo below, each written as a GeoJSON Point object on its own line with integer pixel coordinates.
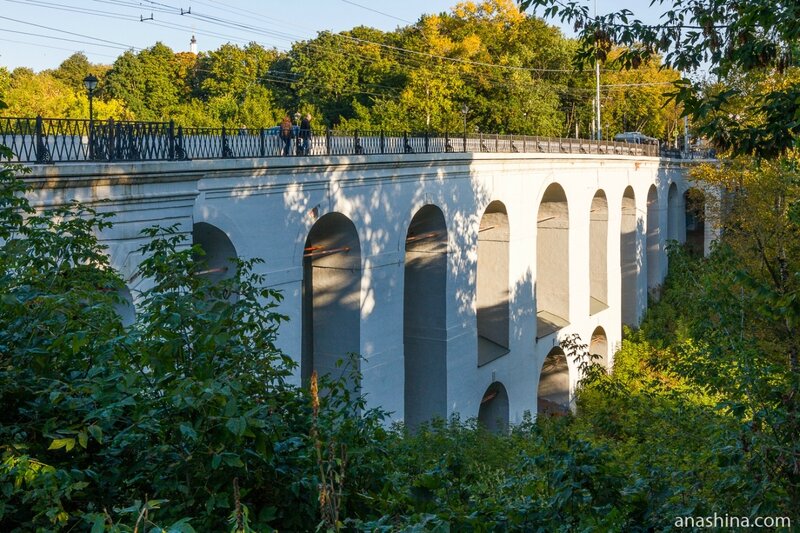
{"type": "Point", "coordinates": [219, 261]}
{"type": "Point", "coordinates": [598, 253]}
{"type": "Point", "coordinates": [628, 258]}
{"type": "Point", "coordinates": [123, 305]}
{"type": "Point", "coordinates": [331, 314]}
{"type": "Point", "coordinates": [220, 254]}
{"type": "Point", "coordinates": [424, 317]}
{"type": "Point", "coordinates": [493, 412]}
{"type": "Point", "coordinates": [598, 345]}
{"type": "Point", "coordinates": [653, 240]}
{"type": "Point", "coordinates": [674, 222]}
{"type": "Point", "coordinates": [553, 395]}
{"type": "Point", "coordinates": [492, 284]}
{"type": "Point", "coordinates": [695, 202]}
{"type": "Point", "coordinates": [552, 262]}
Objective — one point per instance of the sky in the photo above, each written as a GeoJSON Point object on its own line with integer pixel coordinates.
{"type": "Point", "coordinates": [40, 34]}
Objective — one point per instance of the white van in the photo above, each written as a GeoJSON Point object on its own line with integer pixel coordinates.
{"type": "Point", "coordinates": [636, 137]}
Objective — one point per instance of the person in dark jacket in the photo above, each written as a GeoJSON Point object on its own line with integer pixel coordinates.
{"type": "Point", "coordinates": [287, 134]}
{"type": "Point", "coordinates": [305, 133]}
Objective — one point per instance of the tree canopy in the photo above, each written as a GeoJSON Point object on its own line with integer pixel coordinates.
{"type": "Point", "coordinates": [729, 38]}
{"type": "Point", "coordinates": [513, 71]}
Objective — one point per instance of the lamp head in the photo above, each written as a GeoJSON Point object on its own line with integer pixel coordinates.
{"type": "Point", "coordinates": [90, 82]}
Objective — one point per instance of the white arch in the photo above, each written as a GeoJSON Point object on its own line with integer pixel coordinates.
{"type": "Point", "coordinates": [653, 239]}
{"type": "Point", "coordinates": [553, 395]}
{"type": "Point", "coordinates": [493, 412]}
{"type": "Point", "coordinates": [552, 262]}
{"type": "Point", "coordinates": [220, 255]}
{"type": "Point", "coordinates": [629, 264]}
{"type": "Point", "coordinates": [492, 294]}
{"type": "Point", "coordinates": [694, 201]}
{"type": "Point", "coordinates": [598, 253]}
{"type": "Point", "coordinates": [331, 302]}
{"type": "Point", "coordinates": [598, 345]}
{"type": "Point", "coordinates": [424, 317]}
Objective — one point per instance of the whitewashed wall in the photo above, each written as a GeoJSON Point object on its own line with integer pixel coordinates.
{"type": "Point", "coordinates": [267, 207]}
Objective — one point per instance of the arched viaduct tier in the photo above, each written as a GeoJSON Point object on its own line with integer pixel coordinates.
{"type": "Point", "coordinates": [455, 276]}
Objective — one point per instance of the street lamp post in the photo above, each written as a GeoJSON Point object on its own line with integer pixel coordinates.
{"type": "Point", "coordinates": [465, 112]}
{"type": "Point", "coordinates": [90, 82]}
{"type": "Point", "coordinates": [597, 84]}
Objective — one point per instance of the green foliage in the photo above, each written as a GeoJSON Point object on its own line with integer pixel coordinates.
{"type": "Point", "coordinates": [73, 69]}
{"type": "Point", "coordinates": [726, 36]}
{"type": "Point", "coordinates": [183, 418]}
{"type": "Point", "coordinates": [30, 94]}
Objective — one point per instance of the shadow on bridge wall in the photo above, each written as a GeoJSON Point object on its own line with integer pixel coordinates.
{"type": "Point", "coordinates": [422, 277]}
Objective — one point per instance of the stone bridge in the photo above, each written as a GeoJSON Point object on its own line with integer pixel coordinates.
{"type": "Point", "coordinates": [455, 276]}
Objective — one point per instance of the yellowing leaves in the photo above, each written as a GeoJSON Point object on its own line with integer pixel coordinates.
{"type": "Point", "coordinates": [471, 45]}
{"type": "Point", "coordinates": [496, 10]}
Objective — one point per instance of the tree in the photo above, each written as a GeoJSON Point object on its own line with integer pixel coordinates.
{"type": "Point", "coordinates": [147, 82]}
{"type": "Point", "coordinates": [234, 82]}
{"type": "Point", "coordinates": [732, 37]}
{"type": "Point", "coordinates": [635, 100]}
{"type": "Point", "coordinates": [73, 69]}
{"type": "Point", "coordinates": [125, 81]}
{"type": "Point", "coordinates": [95, 414]}
{"type": "Point", "coordinates": [30, 94]}
{"type": "Point", "coordinates": [749, 317]}
{"type": "Point", "coordinates": [334, 71]}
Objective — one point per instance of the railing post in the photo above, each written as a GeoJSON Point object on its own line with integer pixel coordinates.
{"type": "Point", "coordinates": [91, 135]}
{"type": "Point", "coordinates": [119, 141]}
{"type": "Point", "coordinates": [180, 150]}
{"type": "Point", "coordinates": [496, 142]}
{"type": "Point", "coordinates": [262, 142]}
{"type": "Point", "coordinates": [42, 153]}
{"type": "Point", "coordinates": [465, 139]}
{"type": "Point", "coordinates": [171, 133]}
{"type": "Point", "coordinates": [426, 141]}
{"type": "Point", "coordinates": [226, 149]}
{"type": "Point", "coordinates": [109, 151]}
{"type": "Point", "coordinates": [383, 143]}
{"type": "Point", "coordinates": [328, 141]}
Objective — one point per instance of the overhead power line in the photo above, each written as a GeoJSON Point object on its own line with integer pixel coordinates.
{"type": "Point", "coordinates": [378, 12]}
{"type": "Point", "coordinates": [116, 47]}
{"type": "Point", "coordinates": [69, 32]}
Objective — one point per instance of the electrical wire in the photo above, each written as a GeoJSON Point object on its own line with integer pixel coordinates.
{"type": "Point", "coordinates": [376, 11]}
{"type": "Point", "coordinates": [16, 41]}
{"type": "Point", "coordinates": [67, 32]}
{"type": "Point", "coordinates": [30, 34]}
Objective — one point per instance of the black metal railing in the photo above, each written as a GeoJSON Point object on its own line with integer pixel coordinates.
{"type": "Point", "coordinates": [49, 140]}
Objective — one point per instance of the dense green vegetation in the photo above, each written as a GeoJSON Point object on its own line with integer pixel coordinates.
{"type": "Point", "coordinates": [512, 70]}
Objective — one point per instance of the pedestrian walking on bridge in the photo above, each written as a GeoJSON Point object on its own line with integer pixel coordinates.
{"type": "Point", "coordinates": [287, 134]}
{"type": "Point", "coordinates": [305, 133]}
